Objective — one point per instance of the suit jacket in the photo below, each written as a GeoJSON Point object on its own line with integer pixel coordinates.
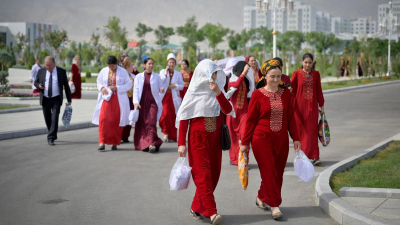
{"type": "Point", "coordinates": [62, 82]}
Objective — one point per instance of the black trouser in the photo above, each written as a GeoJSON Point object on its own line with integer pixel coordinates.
{"type": "Point", "coordinates": [51, 111]}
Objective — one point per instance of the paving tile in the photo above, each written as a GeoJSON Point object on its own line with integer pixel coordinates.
{"type": "Point", "coordinates": [388, 214]}
{"type": "Point", "coordinates": [391, 204]}
{"type": "Point", "coordinates": [364, 202]}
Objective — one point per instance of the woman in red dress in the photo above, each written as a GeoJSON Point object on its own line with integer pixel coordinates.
{"type": "Point", "coordinates": [240, 104]}
{"type": "Point", "coordinates": [269, 119]}
{"type": "Point", "coordinates": [186, 75]}
{"type": "Point", "coordinates": [200, 113]}
{"type": "Point", "coordinates": [76, 70]}
{"type": "Point", "coordinates": [256, 68]}
{"type": "Point", "coordinates": [307, 94]}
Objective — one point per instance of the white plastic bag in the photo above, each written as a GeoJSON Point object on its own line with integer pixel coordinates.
{"type": "Point", "coordinates": [133, 117]}
{"type": "Point", "coordinates": [66, 118]}
{"type": "Point", "coordinates": [107, 96]}
{"type": "Point", "coordinates": [71, 86]}
{"type": "Point", "coordinates": [180, 174]}
{"type": "Point", "coordinates": [303, 167]}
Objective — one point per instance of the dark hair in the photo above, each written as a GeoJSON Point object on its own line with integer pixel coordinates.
{"type": "Point", "coordinates": [279, 60]}
{"type": "Point", "coordinates": [146, 60]}
{"type": "Point", "coordinates": [112, 60]}
{"type": "Point", "coordinates": [186, 61]}
{"type": "Point", "coordinates": [309, 55]}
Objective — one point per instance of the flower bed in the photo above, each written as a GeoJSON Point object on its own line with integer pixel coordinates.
{"type": "Point", "coordinates": [13, 94]}
{"type": "Point", "coordinates": [20, 86]}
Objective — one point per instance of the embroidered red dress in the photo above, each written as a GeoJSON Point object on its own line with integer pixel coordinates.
{"type": "Point", "coordinates": [237, 125]}
{"type": "Point", "coordinates": [109, 130]}
{"type": "Point", "coordinates": [76, 78]}
{"type": "Point", "coordinates": [168, 116]}
{"type": "Point", "coordinates": [307, 94]}
{"type": "Point", "coordinates": [205, 155]}
{"type": "Point", "coordinates": [270, 117]}
{"type": "Point", "coordinates": [186, 81]}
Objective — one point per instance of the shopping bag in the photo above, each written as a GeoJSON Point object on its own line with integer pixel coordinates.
{"type": "Point", "coordinates": [133, 116]}
{"type": "Point", "coordinates": [303, 167]}
{"type": "Point", "coordinates": [324, 134]}
{"type": "Point", "coordinates": [71, 86]}
{"type": "Point", "coordinates": [180, 174]}
{"type": "Point", "coordinates": [66, 118]}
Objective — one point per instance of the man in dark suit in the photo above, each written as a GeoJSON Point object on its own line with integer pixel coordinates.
{"type": "Point", "coordinates": [50, 82]}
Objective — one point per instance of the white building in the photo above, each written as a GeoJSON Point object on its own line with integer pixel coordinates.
{"type": "Point", "coordinates": [323, 21]}
{"type": "Point", "coordinates": [30, 30]}
{"type": "Point", "coordinates": [383, 12]}
{"type": "Point", "coordinates": [362, 26]}
{"type": "Point", "coordinates": [340, 25]}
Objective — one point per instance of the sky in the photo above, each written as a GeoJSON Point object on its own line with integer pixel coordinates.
{"type": "Point", "coordinates": [82, 17]}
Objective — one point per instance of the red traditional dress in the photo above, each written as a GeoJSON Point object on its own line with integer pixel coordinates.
{"type": "Point", "coordinates": [205, 156]}
{"type": "Point", "coordinates": [76, 78]}
{"type": "Point", "coordinates": [186, 81]}
{"type": "Point", "coordinates": [109, 130]}
{"type": "Point", "coordinates": [307, 94]}
{"type": "Point", "coordinates": [127, 129]}
{"type": "Point", "coordinates": [237, 125]}
{"type": "Point", "coordinates": [146, 126]}
{"type": "Point", "coordinates": [167, 119]}
{"type": "Point", "coordinates": [270, 116]}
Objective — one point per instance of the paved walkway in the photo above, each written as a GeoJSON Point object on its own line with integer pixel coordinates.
{"type": "Point", "coordinates": [385, 208]}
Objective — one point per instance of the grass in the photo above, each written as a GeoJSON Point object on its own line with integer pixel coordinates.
{"type": "Point", "coordinates": [13, 106]}
{"type": "Point", "coordinates": [350, 83]}
{"type": "Point", "coordinates": [381, 171]}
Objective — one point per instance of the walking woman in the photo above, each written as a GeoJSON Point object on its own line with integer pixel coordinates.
{"type": "Point", "coordinates": [186, 75]}
{"type": "Point", "coordinates": [112, 109]}
{"type": "Point", "coordinates": [240, 104]}
{"type": "Point", "coordinates": [171, 100]}
{"type": "Point", "coordinates": [307, 94]}
{"type": "Point", "coordinates": [200, 114]}
{"type": "Point", "coordinates": [128, 66]}
{"type": "Point", "coordinates": [146, 97]}
{"type": "Point", "coordinates": [76, 70]}
{"type": "Point", "coordinates": [269, 119]}
{"type": "Point", "coordinates": [255, 66]}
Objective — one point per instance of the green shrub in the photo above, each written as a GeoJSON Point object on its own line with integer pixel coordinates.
{"type": "Point", "coordinates": [96, 65]}
{"type": "Point", "coordinates": [22, 63]}
{"type": "Point", "coordinates": [99, 70]}
{"type": "Point", "coordinates": [84, 63]}
{"type": "Point", "coordinates": [83, 79]}
{"type": "Point", "coordinates": [30, 66]}
{"type": "Point", "coordinates": [329, 73]}
{"type": "Point", "coordinates": [88, 74]}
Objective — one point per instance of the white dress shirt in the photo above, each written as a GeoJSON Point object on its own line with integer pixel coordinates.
{"type": "Point", "coordinates": [55, 89]}
{"type": "Point", "coordinates": [34, 71]}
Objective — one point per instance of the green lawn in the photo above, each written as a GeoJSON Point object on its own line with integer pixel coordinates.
{"type": "Point", "coordinates": [13, 106]}
{"type": "Point", "coordinates": [350, 83]}
{"type": "Point", "coordinates": [381, 171]}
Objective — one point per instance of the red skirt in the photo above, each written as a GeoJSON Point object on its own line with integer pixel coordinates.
{"type": "Point", "coordinates": [167, 120]}
{"type": "Point", "coordinates": [110, 132]}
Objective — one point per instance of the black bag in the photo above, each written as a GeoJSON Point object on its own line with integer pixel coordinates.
{"type": "Point", "coordinates": [225, 136]}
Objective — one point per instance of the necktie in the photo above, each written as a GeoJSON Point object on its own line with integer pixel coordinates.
{"type": "Point", "coordinates": [50, 90]}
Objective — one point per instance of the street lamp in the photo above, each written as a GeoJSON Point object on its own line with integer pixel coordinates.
{"type": "Point", "coordinates": [392, 25]}
{"type": "Point", "coordinates": [274, 6]}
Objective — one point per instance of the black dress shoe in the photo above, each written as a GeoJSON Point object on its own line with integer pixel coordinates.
{"type": "Point", "coordinates": [124, 141]}
{"type": "Point", "coordinates": [51, 142]}
{"type": "Point", "coordinates": [114, 147]}
{"type": "Point", "coordinates": [101, 148]}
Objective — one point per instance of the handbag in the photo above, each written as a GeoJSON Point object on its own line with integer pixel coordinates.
{"type": "Point", "coordinates": [225, 136]}
{"type": "Point", "coordinates": [72, 86]}
{"type": "Point", "coordinates": [324, 134]}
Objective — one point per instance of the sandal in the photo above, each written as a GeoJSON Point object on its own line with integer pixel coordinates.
{"type": "Point", "coordinates": [101, 147]}
{"type": "Point", "coordinates": [195, 215]}
{"type": "Point", "coordinates": [262, 204]}
{"type": "Point", "coordinates": [216, 220]}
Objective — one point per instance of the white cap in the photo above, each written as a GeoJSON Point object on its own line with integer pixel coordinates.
{"type": "Point", "coordinates": [171, 56]}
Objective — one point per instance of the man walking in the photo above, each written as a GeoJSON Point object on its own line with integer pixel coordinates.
{"type": "Point", "coordinates": [35, 69]}
{"type": "Point", "coordinates": [50, 82]}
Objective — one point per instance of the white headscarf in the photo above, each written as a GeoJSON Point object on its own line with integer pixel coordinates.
{"type": "Point", "coordinates": [200, 100]}
{"type": "Point", "coordinates": [229, 66]}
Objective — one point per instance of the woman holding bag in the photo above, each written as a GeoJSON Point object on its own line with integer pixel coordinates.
{"type": "Point", "coordinates": [269, 118]}
{"type": "Point", "coordinates": [76, 70]}
{"type": "Point", "coordinates": [200, 114]}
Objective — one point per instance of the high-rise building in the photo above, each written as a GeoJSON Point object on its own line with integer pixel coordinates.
{"type": "Point", "coordinates": [383, 12]}
{"type": "Point", "coordinates": [362, 26]}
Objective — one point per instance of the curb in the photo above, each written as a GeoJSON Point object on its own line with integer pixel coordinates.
{"type": "Point", "coordinates": [39, 131]}
{"type": "Point", "coordinates": [19, 98]}
{"type": "Point", "coordinates": [360, 86]}
{"type": "Point", "coordinates": [369, 192]}
{"type": "Point", "coordinates": [3, 111]}
{"type": "Point", "coordinates": [341, 211]}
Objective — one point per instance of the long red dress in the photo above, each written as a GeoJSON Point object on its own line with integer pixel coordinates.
{"type": "Point", "coordinates": [307, 94]}
{"type": "Point", "coordinates": [76, 78]}
{"type": "Point", "coordinates": [237, 125]}
{"type": "Point", "coordinates": [127, 129]}
{"type": "Point", "coordinates": [270, 116]}
{"type": "Point", "coordinates": [187, 77]}
{"type": "Point", "coordinates": [109, 130]}
{"type": "Point", "coordinates": [168, 116]}
{"type": "Point", "coordinates": [205, 155]}
{"type": "Point", "coordinates": [146, 126]}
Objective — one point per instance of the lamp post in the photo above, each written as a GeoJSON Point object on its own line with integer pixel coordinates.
{"type": "Point", "coordinates": [274, 6]}
{"type": "Point", "coordinates": [392, 25]}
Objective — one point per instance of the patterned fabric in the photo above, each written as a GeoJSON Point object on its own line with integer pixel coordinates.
{"type": "Point", "coordinates": [243, 169]}
{"type": "Point", "coordinates": [210, 124]}
{"type": "Point", "coordinates": [170, 78]}
{"type": "Point", "coordinates": [112, 78]}
{"type": "Point", "coordinates": [241, 95]}
{"type": "Point", "coordinates": [276, 108]}
{"type": "Point", "coordinates": [186, 78]}
{"type": "Point", "coordinates": [269, 65]}
{"type": "Point", "coordinates": [130, 92]}
{"type": "Point", "coordinates": [308, 84]}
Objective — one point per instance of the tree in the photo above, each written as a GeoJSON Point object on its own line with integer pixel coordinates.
{"type": "Point", "coordinates": [70, 54]}
{"type": "Point", "coordinates": [320, 41]}
{"type": "Point", "coordinates": [56, 38]}
{"type": "Point", "coordinates": [114, 33]}
{"type": "Point", "coordinates": [163, 34]}
{"type": "Point", "coordinates": [191, 33]}
{"type": "Point", "coordinates": [141, 31]}
{"type": "Point", "coordinates": [94, 40]}
{"type": "Point", "coordinates": [214, 34]}
{"type": "Point", "coordinates": [21, 42]}
{"type": "Point", "coordinates": [37, 43]}
{"type": "Point", "coordinates": [73, 46]}
{"type": "Point", "coordinates": [264, 35]}
{"type": "Point", "coordinates": [5, 57]}
{"type": "Point", "coordinates": [233, 41]}
{"type": "Point", "coordinates": [87, 54]}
